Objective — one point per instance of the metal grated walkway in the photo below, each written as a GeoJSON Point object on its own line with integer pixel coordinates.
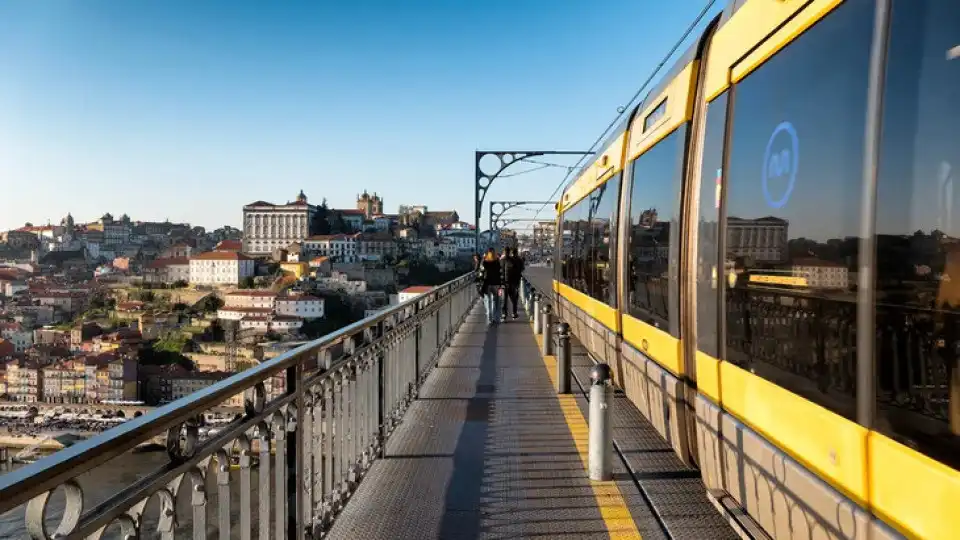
{"type": "Point", "coordinates": [489, 450]}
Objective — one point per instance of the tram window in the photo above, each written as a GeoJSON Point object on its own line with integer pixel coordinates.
{"type": "Point", "coordinates": [602, 230]}
{"type": "Point", "coordinates": [918, 235]}
{"type": "Point", "coordinates": [654, 205]}
{"type": "Point", "coordinates": [709, 270]}
{"type": "Point", "coordinates": [793, 190]}
{"type": "Point", "coordinates": [570, 265]}
{"type": "Point", "coordinates": [591, 226]}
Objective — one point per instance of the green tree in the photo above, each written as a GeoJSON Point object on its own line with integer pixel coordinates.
{"type": "Point", "coordinates": [247, 283]}
{"type": "Point", "coordinates": [321, 220]}
{"type": "Point", "coordinates": [210, 304]}
{"type": "Point", "coordinates": [179, 284]}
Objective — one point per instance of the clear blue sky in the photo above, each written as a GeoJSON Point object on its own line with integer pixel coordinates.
{"type": "Point", "coordinates": [187, 110]}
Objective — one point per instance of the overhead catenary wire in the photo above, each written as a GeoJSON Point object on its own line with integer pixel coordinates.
{"type": "Point", "coordinates": [628, 107]}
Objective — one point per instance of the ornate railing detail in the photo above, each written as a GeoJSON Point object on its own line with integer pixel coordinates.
{"type": "Point", "coordinates": [283, 469]}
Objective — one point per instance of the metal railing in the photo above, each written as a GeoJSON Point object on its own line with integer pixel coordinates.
{"type": "Point", "coordinates": [307, 448]}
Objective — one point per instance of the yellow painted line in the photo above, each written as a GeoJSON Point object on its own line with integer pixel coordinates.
{"type": "Point", "coordinates": [613, 509]}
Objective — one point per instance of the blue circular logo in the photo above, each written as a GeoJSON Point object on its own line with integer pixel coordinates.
{"type": "Point", "coordinates": [780, 163]}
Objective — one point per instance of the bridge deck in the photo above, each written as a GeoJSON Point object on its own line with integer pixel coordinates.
{"type": "Point", "coordinates": [489, 450]}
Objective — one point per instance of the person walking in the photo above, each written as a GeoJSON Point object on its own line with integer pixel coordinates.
{"type": "Point", "coordinates": [512, 274]}
{"type": "Point", "coordinates": [478, 273]}
{"type": "Point", "coordinates": [491, 281]}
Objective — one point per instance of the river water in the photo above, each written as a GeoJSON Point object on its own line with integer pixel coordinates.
{"type": "Point", "coordinates": [121, 472]}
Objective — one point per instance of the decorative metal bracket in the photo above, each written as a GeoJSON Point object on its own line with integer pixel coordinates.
{"type": "Point", "coordinates": [505, 159]}
{"type": "Point", "coordinates": [499, 208]}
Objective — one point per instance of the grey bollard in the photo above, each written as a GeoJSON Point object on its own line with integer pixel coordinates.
{"type": "Point", "coordinates": [563, 358]}
{"type": "Point", "coordinates": [546, 323]}
{"type": "Point", "coordinates": [601, 424]}
{"type": "Point", "coordinates": [536, 314]}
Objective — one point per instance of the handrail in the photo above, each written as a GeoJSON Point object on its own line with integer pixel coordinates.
{"type": "Point", "coordinates": [377, 334]}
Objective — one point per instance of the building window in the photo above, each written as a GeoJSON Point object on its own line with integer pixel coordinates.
{"type": "Point", "coordinates": [793, 191]}
{"type": "Point", "coordinates": [657, 177]}
{"type": "Point", "coordinates": [918, 235]}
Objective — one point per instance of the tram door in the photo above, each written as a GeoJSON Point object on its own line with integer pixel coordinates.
{"type": "Point", "coordinates": [699, 286]}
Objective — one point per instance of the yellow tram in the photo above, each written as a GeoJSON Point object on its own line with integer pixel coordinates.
{"type": "Point", "coordinates": [765, 254]}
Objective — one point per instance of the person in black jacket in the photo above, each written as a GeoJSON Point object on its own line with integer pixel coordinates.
{"type": "Point", "coordinates": [491, 281]}
{"type": "Point", "coordinates": [478, 272]}
{"type": "Point", "coordinates": [512, 273]}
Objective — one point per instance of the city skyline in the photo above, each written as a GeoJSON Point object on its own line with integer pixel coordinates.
{"type": "Point", "coordinates": [187, 111]}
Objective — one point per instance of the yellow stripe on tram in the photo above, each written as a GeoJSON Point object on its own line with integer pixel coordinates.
{"type": "Point", "coordinates": [613, 508]}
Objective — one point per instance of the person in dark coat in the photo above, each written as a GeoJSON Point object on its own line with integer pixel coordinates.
{"type": "Point", "coordinates": [478, 272]}
{"type": "Point", "coordinates": [491, 281]}
{"type": "Point", "coordinates": [512, 273]}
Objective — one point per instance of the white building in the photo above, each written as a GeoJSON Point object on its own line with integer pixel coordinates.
{"type": "Point", "coordinates": [465, 240]}
{"type": "Point", "coordinates": [339, 247]}
{"type": "Point", "coordinates": [412, 292]}
{"type": "Point", "coordinates": [444, 248]}
{"type": "Point", "coordinates": [821, 274]}
{"type": "Point", "coordinates": [275, 323]}
{"type": "Point", "coordinates": [220, 268]}
{"type": "Point", "coordinates": [167, 270]}
{"type": "Point", "coordinates": [21, 339]}
{"type": "Point", "coordinates": [760, 240]}
{"type": "Point", "coordinates": [11, 288]}
{"type": "Point", "coordinates": [268, 226]}
{"type": "Point", "coordinates": [340, 281]}
{"type": "Point", "coordinates": [303, 306]}
{"type": "Point", "coordinates": [250, 298]}
{"type": "Point", "coordinates": [236, 313]}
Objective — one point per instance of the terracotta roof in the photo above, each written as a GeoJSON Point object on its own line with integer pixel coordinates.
{"type": "Point", "coordinates": [247, 309]}
{"type": "Point", "coordinates": [6, 347]}
{"type": "Point", "coordinates": [418, 289]}
{"type": "Point", "coordinates": [261, 203]}
{"type": "Point", "coordinates": [253, 292]}
{"type": "Point", "coordinates": [130, 306]}
{"type": "Point", "coordinates": [229, 245]}
{"type": "Point", "coordinates": [169, 261]}
{"type": "Point", "coordinates": [221, 256]}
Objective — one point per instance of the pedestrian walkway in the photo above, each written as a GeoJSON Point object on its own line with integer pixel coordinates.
{"type": "Point", "coordinates": [489, 450]}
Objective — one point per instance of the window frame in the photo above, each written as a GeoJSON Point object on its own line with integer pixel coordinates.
{"type": "Point", "coordinates": [672, 323]}
{"type": "Point", "coordinates": [864, 385]}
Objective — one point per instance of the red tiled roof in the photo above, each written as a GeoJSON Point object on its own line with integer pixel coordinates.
{"type": "Point", "coordinates": [169, 261]}
{"type": "Point", "coordinates": [130, 306]}
{"type": "Point", "coordinates": [253, 292]}
{"type": "Point", "coordinates": [221, 256]}
{"type": "Point", "coordinates": [247, 309]}
{"type": "Point", "coordinates": [418, 289]}
{"type": "Point", "coordinates": [6, 347]}
{"type": "Point", "coordinates": [229, 245]}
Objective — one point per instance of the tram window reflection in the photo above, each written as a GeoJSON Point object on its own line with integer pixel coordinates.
{"type": "Point", "coordinates": [794, 185]}
{"type": "Point", "coordinates": [918, 233]}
